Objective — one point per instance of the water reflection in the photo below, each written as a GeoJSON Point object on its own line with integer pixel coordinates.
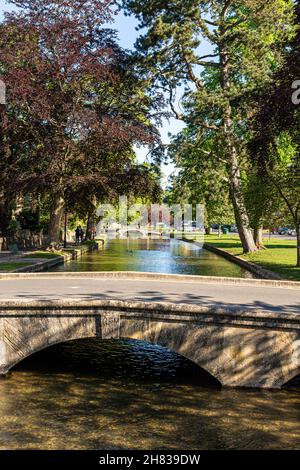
{"type": "Point", "coordinates": [161, 256]}
{"type": "Point", "coordinates": [92, 394]}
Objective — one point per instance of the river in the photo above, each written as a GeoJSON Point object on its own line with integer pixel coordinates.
{"type": "Point", "coordinates": [160, 256]}
{"type": "Point", "coordinates": [126, 394]}
{"type": "Point", "coordinates": [93, 394]}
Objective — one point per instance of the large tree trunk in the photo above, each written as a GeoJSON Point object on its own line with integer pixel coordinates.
{"type": "Point", "coordinates": [219, 231]}
{"type": "Point", "coordinates": [91, 219]}
{"type": "Point", "coordinates": [4, 206]}
{"type": "Point", "coordinates": [237, 196]}
{"type": "Point", "coordinates": [56, 218]}
{"type": "Point", "coordinates": [298, 244]}
{"type": "Point", "coordinates": [5, 214]}
{"type": "Point", "coordinates": [258, 237]}
{"type": "Point", "coordinates": [90, 225]}
{"type": "Point", "coordinates": [235, 182]}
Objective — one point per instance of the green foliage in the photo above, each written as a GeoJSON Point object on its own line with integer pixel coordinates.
{"type": "Point", "coordinates": [275, 141]}
{"type": "Point", "coordinates": [251, 30]}
{"type": "Point", "coordinates": [202, 178]}
{"type": "Point", "coordinates": [13, 227]}
{"type": "Point", "coordinates": [29, 220]}
{"type": "Point", "coordinates": [246, 39]}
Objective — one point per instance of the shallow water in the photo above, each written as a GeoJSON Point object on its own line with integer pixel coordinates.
{"type": "Point", "coordinates": [92, 394]}
{"type": "Point", "coordinates": [160, 256]}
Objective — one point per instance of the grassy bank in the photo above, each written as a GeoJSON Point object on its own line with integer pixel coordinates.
{"type": "Point", "coordinates": [32, 258]}
{"type": "Point", "coordinates": [43, 255]}
{"type": "Point", "coordinates": [27, 260]}
{"type": "Point", "coordinates": [279, 256]}
{"type": "Point", "coordinates": [10, 267]}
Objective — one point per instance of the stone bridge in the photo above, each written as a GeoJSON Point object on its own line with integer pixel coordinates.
{"type": "Point", "coordinates": [243, 332]}
{"type": "Point", "coordinates": [139, 232]}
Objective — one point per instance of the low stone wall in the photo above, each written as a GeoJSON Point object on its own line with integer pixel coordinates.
{"type": "Point", "coordinates": [25, 240]}
{"type": "Point", "coordinates": [133, 275]}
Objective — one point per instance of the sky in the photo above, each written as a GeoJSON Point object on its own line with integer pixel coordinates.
{"type": "Point", "coordinates": [126, 27]}
{"type": "Point", "coordinates": [127, 34]}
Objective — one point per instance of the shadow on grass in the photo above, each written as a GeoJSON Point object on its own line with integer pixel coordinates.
{"type": "Point", "coordinates": [280, 247]}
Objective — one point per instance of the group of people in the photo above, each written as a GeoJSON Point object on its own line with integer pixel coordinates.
{"type": "Point", "coordinates": [79, 234]}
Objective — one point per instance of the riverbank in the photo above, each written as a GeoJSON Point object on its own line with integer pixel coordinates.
{"type": "Point", "coordinates": [37, 261]}
{"type": "Point", "coordinates": [279, 257]}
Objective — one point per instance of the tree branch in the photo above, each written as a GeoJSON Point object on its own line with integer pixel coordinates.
{"type": "Point", "coordinates": [208, 56]}
{"type": "Point", "coordinates": [178, 115]}
{"type": "Point", "coordinates": [191, 74]}
{"type": "Point", "coordinates": [208, 64]}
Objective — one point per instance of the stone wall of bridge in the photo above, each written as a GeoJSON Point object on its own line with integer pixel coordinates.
{"type": "Point", "coordinates": [254, 351]}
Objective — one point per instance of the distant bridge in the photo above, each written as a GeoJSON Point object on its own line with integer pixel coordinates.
{"type": "Point", "coordinates": [139, 232]}
{"type": "Point", "coordinates": [243, 332]}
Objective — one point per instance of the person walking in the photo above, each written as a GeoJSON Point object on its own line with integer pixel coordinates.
{"type": "Point", "coordinates": [81, 234]}
{"type": "Point", "coordinates": [77, 235]}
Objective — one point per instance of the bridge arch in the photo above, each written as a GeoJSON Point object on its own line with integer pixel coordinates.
{"type": "Point", "coordinates": [76, 330]}
{"type": "Point", "coordinates": [204, 374]}
{"type": "Point", "coordinates": [291, 376]}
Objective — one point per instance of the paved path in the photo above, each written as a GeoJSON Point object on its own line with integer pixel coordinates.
{"type": "Point", "coordinates": [248, 297]}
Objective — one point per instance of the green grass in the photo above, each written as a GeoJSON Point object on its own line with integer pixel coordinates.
{"type": "Point", "coordinates": [280, 255]}
{"type": "Point", "coordinates": [90, 243]}
{"type": "Point", "coordinates": [42, 254]}
{"type": "Point", "coordinates": [7, 267]}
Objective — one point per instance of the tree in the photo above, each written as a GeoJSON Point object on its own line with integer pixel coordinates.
{"type": "Point", "coordinates": [275, 144]}
{"type": "Point", "coordinates": [203, 174]}
{"type": "Point", "coordinates": [245, 38]}
{"type": "Point", "coordinates": [3, 215]}
{"type": "Point", "coordinates": [74, 109]}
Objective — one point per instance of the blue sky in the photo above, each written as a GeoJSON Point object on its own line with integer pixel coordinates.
{"type": "Point", "coordinates": [127, 34]}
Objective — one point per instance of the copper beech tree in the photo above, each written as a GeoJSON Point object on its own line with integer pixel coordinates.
{"type": "Point", "coordinates": [74, 109]}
